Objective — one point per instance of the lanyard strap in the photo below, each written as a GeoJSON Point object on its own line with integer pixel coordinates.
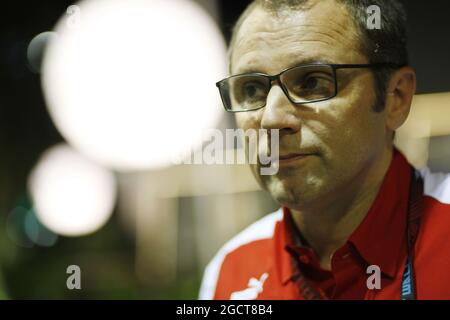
{"type": "Point", "coordinates": [408, 291]}
{"type": "Point", "coordinates": [308, 290]}
{"type": "Point", "coordinates": [415, 209]}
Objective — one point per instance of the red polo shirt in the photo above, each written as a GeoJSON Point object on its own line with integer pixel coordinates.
{"type": "Point", "coordinates": [257, 265]}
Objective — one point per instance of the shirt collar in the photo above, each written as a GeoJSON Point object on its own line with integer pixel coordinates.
{"type": "Point", "coordinates": [381, 236]}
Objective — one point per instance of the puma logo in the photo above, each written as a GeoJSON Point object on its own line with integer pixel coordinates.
{"type": "Point", "coordinates": [255, 287]}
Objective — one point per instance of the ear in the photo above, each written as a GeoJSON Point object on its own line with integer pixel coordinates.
{"type": "Point", "coordinates": [399, 95]}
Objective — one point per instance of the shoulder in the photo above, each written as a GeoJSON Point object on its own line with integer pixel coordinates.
{"type": "Point", "coordinates": [435, 224]}
{"type": "Point", "coordinates": [436, 185]}
{"type": "Point", "coordinates": [259, 230]}
{"type": "Point", "coordinates": [433, 243]}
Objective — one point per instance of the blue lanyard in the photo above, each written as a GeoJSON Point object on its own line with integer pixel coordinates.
{"type": "Point", "coordinates": [408, 288]}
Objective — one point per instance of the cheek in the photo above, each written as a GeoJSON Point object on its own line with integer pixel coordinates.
{"type": "Point", "coordinates": [364, 126]}
{"type": "Point", "coordinates": [351, 127]}
{"type": "Point", "coordinates": [248, 120]}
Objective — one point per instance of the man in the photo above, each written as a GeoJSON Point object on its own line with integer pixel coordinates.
{"type": "Point", "coordinates": [351, 205]}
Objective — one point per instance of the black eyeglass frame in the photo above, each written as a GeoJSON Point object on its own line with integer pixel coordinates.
{"type": "Point", "coordinates": [277, 79]}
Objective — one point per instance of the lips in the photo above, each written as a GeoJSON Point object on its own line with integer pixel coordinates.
{"type": "Point", "coordinates": [294, 155]}
{"type": "Point", "coordinates": [291, 155]}
{"type": "Point", "coordinates": [293, 158]}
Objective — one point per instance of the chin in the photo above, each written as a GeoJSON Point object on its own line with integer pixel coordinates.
{"type": "Point", "coordinates": [284, 195]}
{"type": "Point", "coordinates": [294, 192]}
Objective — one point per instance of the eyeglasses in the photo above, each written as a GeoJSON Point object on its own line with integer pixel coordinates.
{"type": "Point", "coordinates": [301, 84]}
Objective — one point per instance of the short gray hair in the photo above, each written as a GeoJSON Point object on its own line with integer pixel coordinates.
{"type": "Point", "coordinates": [385, 45]}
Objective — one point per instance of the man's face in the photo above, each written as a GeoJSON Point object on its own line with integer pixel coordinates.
{"type": "Point", "coordinates": [342, 137]}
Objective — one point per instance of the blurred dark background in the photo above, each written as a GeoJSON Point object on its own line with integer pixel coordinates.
{"type": "Point", "coordinates": [30, 271]}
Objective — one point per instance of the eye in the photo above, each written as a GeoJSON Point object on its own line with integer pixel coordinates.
{"type": "Point", "coordinates": [253, 90]}
{"type": "Point", "coordinates": [310, 83]}
{"type": "Point", "coordinates": [315, 82]}
{"type": "Point", "coordinates": [314, 85]}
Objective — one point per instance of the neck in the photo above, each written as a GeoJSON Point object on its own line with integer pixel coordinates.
{"type": "Point", "coordinates": [326, 226]}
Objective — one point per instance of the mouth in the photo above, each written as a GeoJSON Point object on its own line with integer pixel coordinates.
{"type": "Point", "coordinates": [291, 158]}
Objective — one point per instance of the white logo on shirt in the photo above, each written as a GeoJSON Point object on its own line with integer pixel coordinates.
{"type": "Point", "coordinates": [255, 287]}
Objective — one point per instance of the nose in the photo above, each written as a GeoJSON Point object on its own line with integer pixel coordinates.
{"type": "Point", "coordinates": [279, 112]}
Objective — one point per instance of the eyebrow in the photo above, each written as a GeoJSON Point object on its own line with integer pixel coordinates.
{"type": "Point", "coordinates": [249, 68]}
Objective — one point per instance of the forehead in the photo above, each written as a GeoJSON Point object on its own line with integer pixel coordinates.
{"type": "Point", "coordinates": [270, 42]}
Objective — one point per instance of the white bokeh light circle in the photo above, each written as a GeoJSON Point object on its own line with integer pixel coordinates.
{"type": "Point", "coordinates": [130, 83]}
{"type": "Point", "coordinates": [72, 196]}
{"type": "Point", "coordinates": [36, 48]}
